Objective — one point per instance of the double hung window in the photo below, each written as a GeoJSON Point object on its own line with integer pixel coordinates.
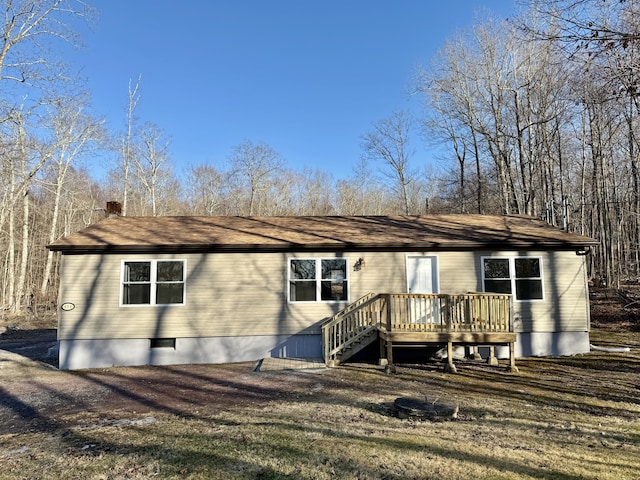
{"type": "Point", "coordinates": [318, 280]}
{"type": "Point", "coordinates": [521, 276]}
{"type": "Point", "coordinates": [153, 282]}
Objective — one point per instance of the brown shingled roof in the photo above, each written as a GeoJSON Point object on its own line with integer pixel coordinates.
{"type": "Point", "coordinates": [210, 234]}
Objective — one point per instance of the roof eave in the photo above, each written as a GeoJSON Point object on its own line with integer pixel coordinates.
{"type": "Point", "coordinates": [331, 247]}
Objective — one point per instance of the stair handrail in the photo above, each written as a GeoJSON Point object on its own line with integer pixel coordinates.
{"type": "Point", "coordinates": [349, 308]}
{"type": "Point", "coordinates": [333, 342]}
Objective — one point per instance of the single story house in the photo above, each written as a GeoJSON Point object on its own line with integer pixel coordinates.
{"type": "Point", "coordinates": [172, 290]}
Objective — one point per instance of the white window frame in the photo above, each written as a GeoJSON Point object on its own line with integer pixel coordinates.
{"type": "Point", "coordinates": [318, 280]}
{"type": "Point", "coordinates": [153, 281]}
{"type": "Point", "coordinates": [512, 274]}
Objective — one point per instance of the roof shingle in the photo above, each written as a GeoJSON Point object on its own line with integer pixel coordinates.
{"type": "Point", "coordinates": [332, 233]}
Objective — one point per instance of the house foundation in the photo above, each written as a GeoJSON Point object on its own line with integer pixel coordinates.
{"type": "Point", "coordinates": [104, 353]}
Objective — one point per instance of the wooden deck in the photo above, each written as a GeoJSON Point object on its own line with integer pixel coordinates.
{"type": "Point", "coordinates": [459, 338]}
{"type": "Point", "coordinates": [471, 319]}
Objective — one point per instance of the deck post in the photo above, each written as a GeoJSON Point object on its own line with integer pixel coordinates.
{"type": "Point", "coordinates": [325, 345]}
{"type": "Point", "coordinates": [390, 352]}
{"type": "Point", "coordinates": [385, 321]}
{"type": "Point", "coordinates": [475, 355]}
{"type": "Point", "coordinates": [512, 358]}
{"type": "Point", "coordinates": [450, 367]}
{"type": "Point", "coordinates": [492, 360]}
{"type": "Point", "coordinates": [389, 367]}
{"type": "Point", "coordinates": [445, 306]}
{"type": "Point", "coordinates": [388, 306]}
{"type": "Point", "coordinates": [383, 361]}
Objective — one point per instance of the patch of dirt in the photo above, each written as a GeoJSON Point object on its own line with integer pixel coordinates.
{"type": "Point", "coordinates": [31, 387]}
{"type": "Point", "coordinates": [28, 398]}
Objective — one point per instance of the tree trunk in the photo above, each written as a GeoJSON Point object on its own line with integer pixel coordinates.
{"type": "Point", "coordinates": [20, 300]}
{"type": "Point", "coordinates": [52, 236]}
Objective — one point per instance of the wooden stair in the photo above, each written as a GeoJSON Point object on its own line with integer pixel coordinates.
{"type": "Point", "coordinates": [352, 329]}
{"type": "Point", "coordinates": [359, 342]}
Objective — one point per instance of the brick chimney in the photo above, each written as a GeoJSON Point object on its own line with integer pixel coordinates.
{"type": "Point", "coordinates": [114, 209]}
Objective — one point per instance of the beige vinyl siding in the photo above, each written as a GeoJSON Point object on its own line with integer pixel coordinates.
{"type": "Point", "coordinates": [232, 294]}
{"type": "Point", "coordinates": [384, 272]}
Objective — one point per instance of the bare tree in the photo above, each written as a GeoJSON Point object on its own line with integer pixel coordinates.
{"type": "Point", "coordinates": [73, 132]}
{"type": "Point", "coordinates": [388, 142]}
{"type": "Point", "coordinates": [151, 164]}
{"type": "Point", "coordinates": [206, 190]}
{"type": "Point", "coordinates": [29, 26]}
{"type": "Point", "coordinates": [284, 194]}
{"type": "Point", "coordinates": [501, 100]}
{"type": "Point", "coordinates": [592, 25]}
{"type": "Point", "coordinates": [254, 167]}
{"type": "Point", "coordinates": [451, 119]}
{"type": "Point", "coordinates": [127, 145]}
{"type": "Point", "coordinates": [23, 162]}
{"type": "Point", "coordinates": [363, 193]}
{"type": "Point", "coordinates": [315, 193]}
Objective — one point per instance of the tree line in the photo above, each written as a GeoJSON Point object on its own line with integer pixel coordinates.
{"type": "Point", "coordinates": [540, 116]}
{"type": "Point", "coordinates": [534, 115]}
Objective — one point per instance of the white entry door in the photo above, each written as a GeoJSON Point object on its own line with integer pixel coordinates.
{"type": "Point", "coordinates": [422, 277]}
{"type": "Point", "coordinates": [422, 274]}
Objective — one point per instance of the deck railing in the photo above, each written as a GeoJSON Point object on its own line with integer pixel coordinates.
{"type": "Point", "coordinates": [471, 312]}
{"type": "Point", "coordinates": [412, 312]}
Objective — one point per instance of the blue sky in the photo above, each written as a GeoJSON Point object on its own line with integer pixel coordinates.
{"type": "Point", "coordinates": [307, 77]}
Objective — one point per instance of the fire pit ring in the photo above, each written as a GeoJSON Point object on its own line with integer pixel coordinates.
{"type": "Point", "coordinates": [409, 407]}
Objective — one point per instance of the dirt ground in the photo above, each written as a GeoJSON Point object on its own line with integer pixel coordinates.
{"type": "Point", "coordinates": [32, 389]}
{"type": "Point", "coordinates": [35, 396]}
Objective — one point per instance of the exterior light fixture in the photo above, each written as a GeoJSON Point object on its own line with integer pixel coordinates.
{"type": "Point", "coordinates": [359, 265]}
